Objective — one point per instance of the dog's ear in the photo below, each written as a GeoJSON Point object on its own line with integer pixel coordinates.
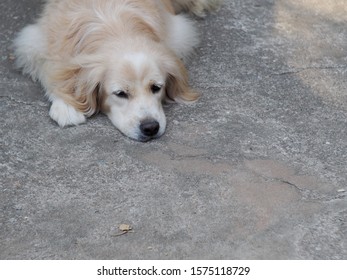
{"type": "Point", "coordinates": [89, 88]}
{"type": "Point", "coordinates": [177, 86]}
{"type": "Point", "coordinates": [79, 84]}
{"type": "Point", "coordinates": [88, 100]}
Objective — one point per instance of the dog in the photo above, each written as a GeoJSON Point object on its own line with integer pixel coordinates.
{"type": "Point", "coordinates": [123, 58]}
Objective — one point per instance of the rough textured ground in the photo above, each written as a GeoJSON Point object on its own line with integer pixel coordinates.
{"type": "Point", "coordinates": [255, 170]}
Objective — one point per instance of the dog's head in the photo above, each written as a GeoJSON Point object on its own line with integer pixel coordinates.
{"type": "Point", "coordinates": [133, 91]}
{"type": "Point", "coordinates": [130, 86]}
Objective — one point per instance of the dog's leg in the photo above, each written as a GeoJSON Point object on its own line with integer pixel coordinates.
{"type": "Point", "coordinates": [182, 36]}
{"type": "Point", "coordinates": [30, 48]}
{"type": "Point", "coordinates": [197, 7]}
{"type": "Point", "coordinates": [64, 114]}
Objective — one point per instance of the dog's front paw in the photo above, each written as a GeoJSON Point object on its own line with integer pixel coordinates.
{"type": "Point", "coordinates": [200, 7]}
{"type": "Point", "coordinates": [65, 115]}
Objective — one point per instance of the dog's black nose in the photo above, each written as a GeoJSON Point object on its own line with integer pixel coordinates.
{"type": "Point", "coordinates": [149, 128]}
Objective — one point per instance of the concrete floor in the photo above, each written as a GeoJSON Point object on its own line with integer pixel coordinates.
{"type": "Point", "coordinates": [255, 170]}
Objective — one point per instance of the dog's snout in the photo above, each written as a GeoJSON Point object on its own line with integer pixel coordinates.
{"type": "Point", "coordinates": [149, 128]}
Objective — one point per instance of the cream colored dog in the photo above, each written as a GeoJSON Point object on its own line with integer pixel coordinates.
{"type": "Point", "coordinates": [120, 57]}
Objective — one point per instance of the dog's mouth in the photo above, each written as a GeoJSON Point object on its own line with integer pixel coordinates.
{"type": "Point", "coordinates": [146, 131]}
{"type": "Point", "coordinates": [145, 139]}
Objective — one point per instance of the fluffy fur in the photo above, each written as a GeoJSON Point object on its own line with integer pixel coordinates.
{"type": "Point", "coordinates": [123, 58]}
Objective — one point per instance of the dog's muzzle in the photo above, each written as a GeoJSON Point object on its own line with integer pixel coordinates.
{"type": "Point", "coordinates": [149, 128]}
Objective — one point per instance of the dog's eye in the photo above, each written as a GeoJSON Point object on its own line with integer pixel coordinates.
{"type": "Point", "coordinates": [156, 88]}
{"type": "Point", "coordinates": [121, 94]}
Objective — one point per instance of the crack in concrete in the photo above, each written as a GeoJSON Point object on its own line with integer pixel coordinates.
{"type": "Point", "coordinates": [183, 157]}
{"type": "Point", "coordinates": [299, 70]}
{"type": "Point", "coordinates": [313, 195]}
{"type": "Point", "coordinates": [11, 99]}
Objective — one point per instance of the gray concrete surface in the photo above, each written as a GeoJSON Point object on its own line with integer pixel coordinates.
{"type": "Point", "coordinates": [255, 170]}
